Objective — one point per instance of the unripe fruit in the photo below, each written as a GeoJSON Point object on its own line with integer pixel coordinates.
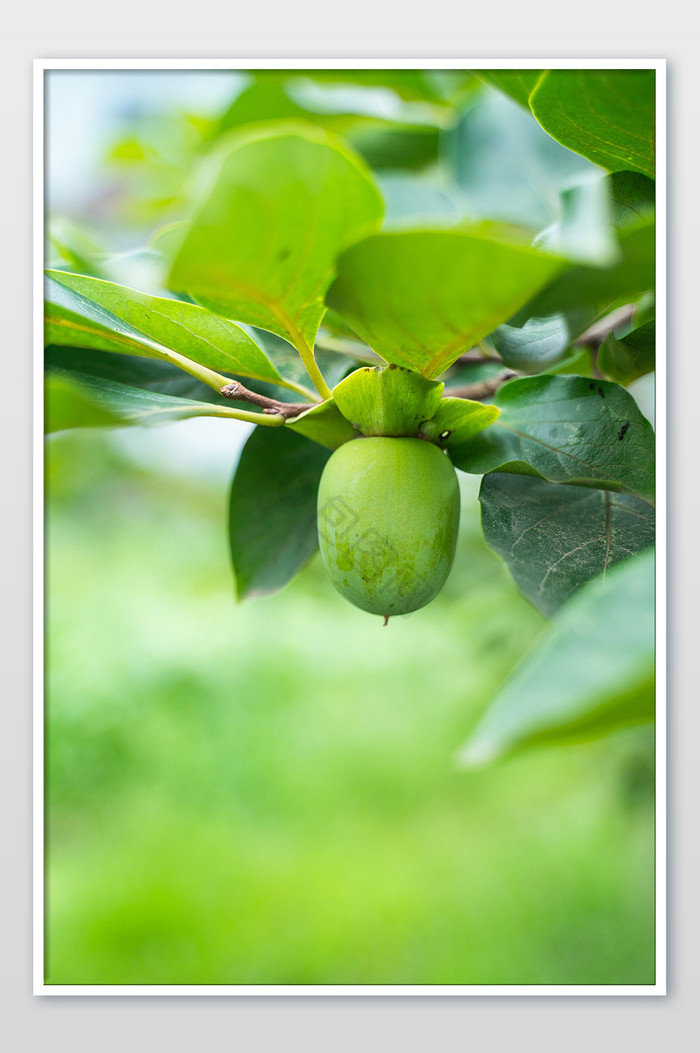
{"type": "Point", "coordinates": [388, 514]}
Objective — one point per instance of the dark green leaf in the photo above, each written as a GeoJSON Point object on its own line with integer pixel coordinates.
{"type": "Point", "coordinates": [590, 674]}
{"type": "Point", "coordinates": [566, 430]}
{"type": "Point", "coordinates": [607, 115]}
{"type": "Point", "coordinates": [421, 298]}
{"type": "Point", "coordinates": [272, 516]}
{"type": "Point", "coordinates": [556, 538]}
{"type": "Point", "coordinates": [284, 201]}
{"type": "Point", "coordinates": [631, 357]}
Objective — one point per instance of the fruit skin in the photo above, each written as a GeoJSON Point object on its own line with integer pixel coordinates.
{"type": "Point", "coordinates": [388, 516]}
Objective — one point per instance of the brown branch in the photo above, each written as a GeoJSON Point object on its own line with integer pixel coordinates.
{"type": "Point", "coordinates": [596, 333]}
{"type": "Point", "coordinates": [483, 390]}
{"type": "Point", "coordinates": [238, 393]}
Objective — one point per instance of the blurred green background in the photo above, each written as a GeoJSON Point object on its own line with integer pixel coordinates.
{"type": "Point", "coordinates": [267, 793]}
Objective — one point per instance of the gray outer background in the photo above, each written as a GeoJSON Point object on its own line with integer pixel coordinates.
{"type": "Point", "coordinates": [79, 28]}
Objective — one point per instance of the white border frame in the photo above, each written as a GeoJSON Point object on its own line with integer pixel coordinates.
{"type": "Point", "coordinates": [41, 66]}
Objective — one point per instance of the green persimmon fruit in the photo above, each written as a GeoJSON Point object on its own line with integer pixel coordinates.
{"type": "Point", "coordinates": [388, 515]}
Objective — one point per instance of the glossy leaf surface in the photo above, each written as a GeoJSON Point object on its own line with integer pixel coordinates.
{"type": "Point", "coordinates": [566, 430]}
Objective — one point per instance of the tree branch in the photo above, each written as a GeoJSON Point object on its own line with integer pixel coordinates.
{"type": "Point", "coordinates": [483, 390]}
{"type": "Point", "coordinates": [235, 390]}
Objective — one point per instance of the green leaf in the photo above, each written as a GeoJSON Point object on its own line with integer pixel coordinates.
{"type": "Point", "coordinates": [556, 538]}
{"type": "Point", "coordinates": [566, 430]}
{"type": "Point", "coordinates": [631, 357]}
{"type": "Point", "coordinates": [182, 327]}
{"type": "Point", "coordinates": [324, 424]}
{"type": "Point", "coordinates": [518, 83]}
{"type": "Point", "coordinates": [387, 400]}
{"type": "Point", "coordinates": [539, 343]}
{"type": "Point", "coordinates": [124, 405]}
{"type": "Point", "coordinates": [606, 115]}
{"type": "Point", "coordinates": [421, 298]}
{"type": "Point", "coordinates": [508, 168]}
{"type": "Point", "coordinates": [284, 200]}
{"type": "Point", "coordinates": [272, 512]}
{"type": "Point", "coordinates": [590, 674]}
{"type": "Point", "coordinates": [68, 404]}
{"type": "Point", "coordinates": [458, 420]}
{"type": "Point", "coordinates": [72, 321]}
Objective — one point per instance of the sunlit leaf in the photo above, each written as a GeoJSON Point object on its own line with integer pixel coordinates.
{"type": "Point", "coordinates": [421, 298]}
{"type": "Point", "coordinates": [283, 201]}
{"type": "Point", "coordinates": [607, 115]}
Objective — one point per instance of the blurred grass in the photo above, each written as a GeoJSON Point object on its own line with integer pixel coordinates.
{"type": "Point", "coordinates": [266, 793]}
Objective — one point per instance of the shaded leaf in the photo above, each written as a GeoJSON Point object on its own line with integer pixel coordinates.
{"type": "Point", "coordinates": [539, 343]}
{"type": "Point", "coordinates": [566, 430]}
{"type": "Point", "coordinates": [607, 115]}
{"type": "Point", "coordinates": [556, 538]}
{"type": "Point", "coordinates": [631, 357]}
{"type": "Point", "coordinates": [421, 298]}
{"type": "Point", "coordinates": [68, 404]}
{"type": "Point", "coordinates": [272, 510]}
{"type": "Point", "coordinates": [284, 201]}
{"type": "Point", "coordinates": [590, 674]}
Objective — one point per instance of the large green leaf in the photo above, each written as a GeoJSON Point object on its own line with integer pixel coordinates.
{"type": "Point", "coordinates": [68, 404]}
{"type": "Point", "coordinates": [556, 538]}
{"type": "Point", "coordinates": [631, 357]}
{"type": "Point", "coordinates": [566, 430]}
{"type": "Point", "coordinates": [607, 115]}
{"type": "Point", "coordinates": [421, 298]}
{"type": "Point", "coordinates": [284, 200]}
{"type": "Point", "coordinates": [272, 513]}
{"type": "Point", "coordinates": [591, 672]}
{"type": "Point", "coordinates": [183, 327]}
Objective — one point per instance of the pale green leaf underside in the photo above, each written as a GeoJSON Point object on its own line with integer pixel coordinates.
{"type": "Point", "coordinates": [284, 201]}
{"type": "Point", "coordinates": [591, 673]}
{"type": "Point", "coordinates": [421, 298]}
